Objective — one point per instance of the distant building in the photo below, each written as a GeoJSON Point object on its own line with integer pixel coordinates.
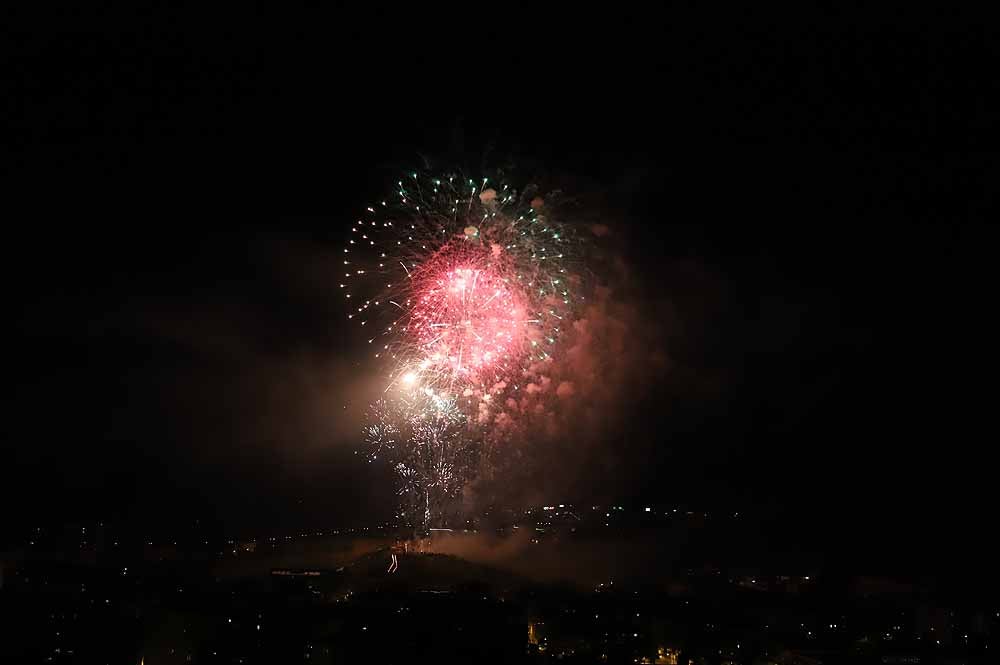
{"type": "Point", "coordinates": [664, 656]}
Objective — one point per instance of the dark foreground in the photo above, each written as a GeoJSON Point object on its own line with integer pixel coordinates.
{"type": "Point", "coordinates": [444, 608]}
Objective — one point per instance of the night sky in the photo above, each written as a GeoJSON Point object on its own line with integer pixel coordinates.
{"type": "Point", "coordinates": [800, 204]}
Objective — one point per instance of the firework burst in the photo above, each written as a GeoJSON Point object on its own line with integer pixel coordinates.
{"type": "Point", "coordinates": [461, 282]}
{"type": "Point", "coordinates": [462, 286]}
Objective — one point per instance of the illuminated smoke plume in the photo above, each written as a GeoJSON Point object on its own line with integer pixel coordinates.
{"type": "Point", "coordinates": [573, 403]}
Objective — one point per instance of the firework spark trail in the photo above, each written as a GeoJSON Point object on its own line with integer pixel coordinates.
{"type": "Point", "coordinates": [423, 438]}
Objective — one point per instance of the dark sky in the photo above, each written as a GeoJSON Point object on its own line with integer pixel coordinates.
{"type": "Point", "coordinates": [808, 194]}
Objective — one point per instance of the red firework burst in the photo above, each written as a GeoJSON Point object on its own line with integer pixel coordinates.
{"type": "Point", "coordinates": [469, 318]}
